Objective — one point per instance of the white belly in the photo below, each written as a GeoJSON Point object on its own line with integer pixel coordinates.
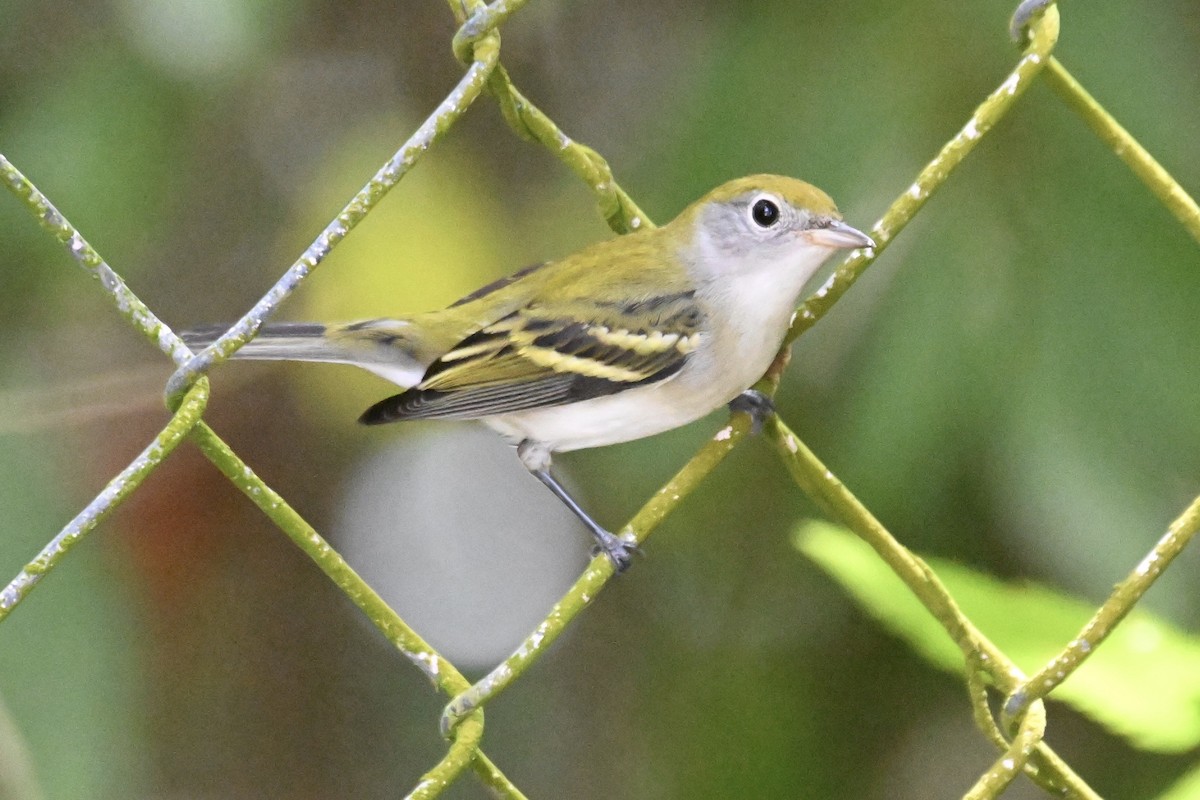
{"type": "Point", "coordinates": [631, 414]}
{"type": "Point", "coordinates": [622, 417]}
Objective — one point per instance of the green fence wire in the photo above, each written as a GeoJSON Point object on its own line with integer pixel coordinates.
{"type": "Point", "coordinates": [1017, 729]}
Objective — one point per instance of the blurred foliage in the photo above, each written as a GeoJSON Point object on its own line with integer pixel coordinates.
{"type": "Point", "coordinates": [66, 660]}
{"type": "Point", "coordinates": [1143, 682]}
{"type": "Point", "coordinates": [1012, 385]}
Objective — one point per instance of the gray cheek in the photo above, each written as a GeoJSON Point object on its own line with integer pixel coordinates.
{"type": "Point", "coordinates": [727, 228]}
{"type": "Point", "coordinates": [735, 236]}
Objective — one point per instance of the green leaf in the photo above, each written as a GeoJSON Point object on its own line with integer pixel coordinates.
{"type": "Point", "coordinates": [1186, 788]}
{"type": "Point", "coordinates": [1143, 683]}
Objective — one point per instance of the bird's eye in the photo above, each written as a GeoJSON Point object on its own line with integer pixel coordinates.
{"type": "Point", "coordinates": [764, 213]}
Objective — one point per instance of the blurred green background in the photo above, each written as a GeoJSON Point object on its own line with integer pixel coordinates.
{"type": "Point", "coordinates": [1012, 386]}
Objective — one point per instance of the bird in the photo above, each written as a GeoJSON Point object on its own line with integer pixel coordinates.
{"type": "Point", "coordinates": [626, 338]}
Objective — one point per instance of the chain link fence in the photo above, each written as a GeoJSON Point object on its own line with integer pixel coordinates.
{"type": "Point", "coordinates": [1016, 725]}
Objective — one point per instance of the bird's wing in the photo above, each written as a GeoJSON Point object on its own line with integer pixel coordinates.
{"type": "Point", "coordinates": [552, 354]}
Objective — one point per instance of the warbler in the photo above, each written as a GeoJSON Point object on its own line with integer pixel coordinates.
{"type": "Point", "coordinates": [624, 339]}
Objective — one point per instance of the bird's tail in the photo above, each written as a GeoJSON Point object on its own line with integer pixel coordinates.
{"type": "Point", "coordinates": [378, 346]}
{"type": "Point", "coordinates": [296, 341]}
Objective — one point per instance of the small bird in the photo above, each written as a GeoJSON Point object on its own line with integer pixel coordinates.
{"type": "Point", "coordinates": [624, 339]}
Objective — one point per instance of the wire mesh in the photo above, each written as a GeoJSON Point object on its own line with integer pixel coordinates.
{"type": "Point", "coordinates": [1018, 728]}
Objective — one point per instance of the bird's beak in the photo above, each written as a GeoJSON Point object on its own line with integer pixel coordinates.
{"type": "Point", "coordinates": [837, 235]}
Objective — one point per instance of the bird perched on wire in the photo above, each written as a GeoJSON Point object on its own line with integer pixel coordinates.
{"type": "Point", "coordinates": [624, 339]}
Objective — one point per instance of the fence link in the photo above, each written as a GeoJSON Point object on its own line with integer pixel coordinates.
{"type": "Point", "coordinates": [1017, 729]}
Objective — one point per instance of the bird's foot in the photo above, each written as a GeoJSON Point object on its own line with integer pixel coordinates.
{"type": "Point", "coordinates": [1024, 16]}
{"type": "Point", "coordinates": [619, 551]}
{"type": "Point", "coordinates": [757, 405]}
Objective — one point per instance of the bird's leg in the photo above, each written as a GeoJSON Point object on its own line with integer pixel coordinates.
{"type": "Point", "coordinates": [757, 405]}
{"type": "Point", "coordinates": [536, 459]}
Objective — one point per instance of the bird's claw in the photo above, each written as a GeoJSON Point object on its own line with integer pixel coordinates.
{"type": "Point", "coordinates": [619, 551]}
{"type": "Point", "coordinates": [757, 405]}
{"type": "Point", "coordinates": [1023, 17]}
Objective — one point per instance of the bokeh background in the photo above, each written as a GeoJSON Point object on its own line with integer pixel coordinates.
{"type": "Point", "coordinates": [1013, 385]}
